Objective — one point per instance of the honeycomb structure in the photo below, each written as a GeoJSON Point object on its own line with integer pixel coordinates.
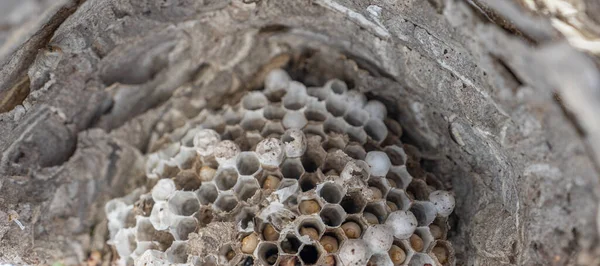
{"type": "Point", "coordinates": [308, 176]}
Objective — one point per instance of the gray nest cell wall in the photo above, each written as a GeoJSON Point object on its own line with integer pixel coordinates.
{"type": "Point", "coordinates": [487, 109]}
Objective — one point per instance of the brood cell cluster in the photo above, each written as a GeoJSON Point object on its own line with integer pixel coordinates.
{"type": "Point", "coordinates": [302, 176]}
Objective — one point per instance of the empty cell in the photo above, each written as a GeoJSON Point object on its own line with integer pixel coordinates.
{"type": "Point", "coordinates": [313, 159]}
{"type": "Point", "coordinates": [309, 181]}
{"type": "Point", "coordinates": [253, 120]}
{"type": "Point", "coordinates": [184, 203]}
{"type": "Point", "coordinates": [356, 151]}
{"type": "Point", "coordinates": [290, 244]}
{"type": "Point", "coordinates": [337, 86]}
{"type": "Point", "coordinates": [294, 119]}
{"type": "Point", "coordinates": [332, 215]}
{"type": "Point", "coordinates": [268, 253]}
{"type": "Point", "coordinates": [246, 188]}
{"type": "Point", "coordinates": [144, 229]}
{"type": "Point", "coordinates": [226, 202]}
{"type": "Point", "coordinates": [334, 142]}
{"type": "Point", "coordinates": [378, 210]}
{"type": "Point", "coordinates": [225, 178]}
{"type": "Point", "coordinates": [254, 100]}
{"type": "Point", "coordinates": [309, 254]}
{"type": "Point", "coordinates": [207, 193]}
{"type": "Point", "coordinates": [356, 117]}
{"type": "Point", "coordinates": [292, 168]}
{"type": "Point", "coordinates": [247, 163]}
{"type": "Point", "coordinates": [424, 211]}
{"type": "Point", "coordinates": [183, 226]}
{"type": "Point", "coordinates": [331, 192]}
{"type": "Point", "coordinates": [353, 202]}
{"type": "Point", "coordinates": [376, 129]}
{"type": "Point", "coordinates": [336, 105]}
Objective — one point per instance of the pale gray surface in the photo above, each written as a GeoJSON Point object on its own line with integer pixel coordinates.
{"type": "Point", "coordinates": [478, 100]}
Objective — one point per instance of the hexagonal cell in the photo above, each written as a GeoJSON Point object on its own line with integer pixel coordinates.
{"type": "Point", "coordinates": [287, 260]}
{"type": "Point", "coordinates": [400, 253]}
{"type": "Point", "coordinates": [309, 254]}
{"type": "Point", "coordinates": [380, 184]}
{"type": "Point", "coordinates": [247, 163]}
{"type": "Point", "coordinates": [332, 240]}
{"type": "Point", "coordinates": [330, 260]}
{"type": "Point", "coordinates": [294, 143]}
{"type": "Point", "coordinates": [314, 157]}
{"type": "Point", "coordinates": [269, 180]}
{"type": "Point", "coordinates": [294, 119]}
{"type": "Point", "coordinates": [144, 229]}
{"type": "Point", "coordinates": [268, 253]}
{"type": "Point", "coordinates": [354, 252]}
{"type": "Point", "coordinates": [424, 211]}
{"type": "Point", "coordinates": [439, 228]}
{"type": "Point", "coordinates": [184, 203]}
{"type": "Point", "coordinates": [334, 125]}
{"type": "Point", "coordinates": [183, 226]}
{"type": "Point", "coordinates": [354, 226]}
{"type": "Point", "coordinates": [334, 142]}
{"type": "Point", "coordinates": [292, 168]}
{"type": "Point", "coordinates": [254, 101]}
{"type": "Point", "coordinates": [419, 189]}
{"type": "Point", "coordinates": [311, 227]}
{"type": "Point", "coordinates": [315, 111]}
{"type": "Point", "coordinates": [332, 215]}
{"type": "Point", "coordinates": [268, 232]}
{"type": "Point", "coordinates": [227, 253]}
{"type": "Point", "coordinates": [353, 202]}
{"type": "Point", "coordinates": [253, 120]}
{"type": "Point", "coordinates": [204, 216]}
{"type": "Point", "coordinates": [356, 117]}
{"type": "Point", "coordinates": [378, 210]}
{"type": "Point", "coordinates": [161, 215]}
{"type": "Point", "coordinates": [226, 202]}
{"type": "Point", "coordinates": [376, 129]}
{"type": "Point", "coordinates": [163, 189]}
{"type": "Point", "coordinates": [399, 199]}
{"type": "Point", "coordinates": [232, 132]}
{"type": "Point", "coordinates": [444, 253]}
{"type": "Point", "coordinates": [356, 151]}
{"type": "Point", "coordinates": [426, 237]}
{"type": "Point", "coordinates": [177, 253]}
{"type": "Point", "coordinates": [399, 177]}
{"type": "Point", "coordinates": [272, 129]}
{"type": "Point", "coordinates": [246, 188]}
{"type": "Point", "coordinates": [336, 86]}
{"type": "Point", "coordinates": [314, 128]}
{"type": "Point", "coordinates": [225, 178]}
{"type": "Point", "coordinates": [225, 153]}
{"type": "Point", "coordinates": [290, 244]}
{"type": "Point", "coordinates": [276, 84]}
{"type": "Point", "coordinates": [357, 134]}
{"type": "Point", "coordinates": [420, 259]}
{"type": "Point", "coordinates": [207, 193]}
{"type": "Point", "coordinates": [309, 181]}
{"type": "Point", "coordinates": [296, 97]}
{"type": "Point", "coordinates": [396, 154]}
{"type": "Point", "coordinates": [274, 112]}
{"type": "Point", "coordinates": [380, 260]}
{"type": "Point", "coordinates": [187, 180]}
{"type": "Point", "coordinates": [331, 192]}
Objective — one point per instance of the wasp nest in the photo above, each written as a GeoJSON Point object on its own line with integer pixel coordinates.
{"type": "Point", "coordinates": [302, 176]}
